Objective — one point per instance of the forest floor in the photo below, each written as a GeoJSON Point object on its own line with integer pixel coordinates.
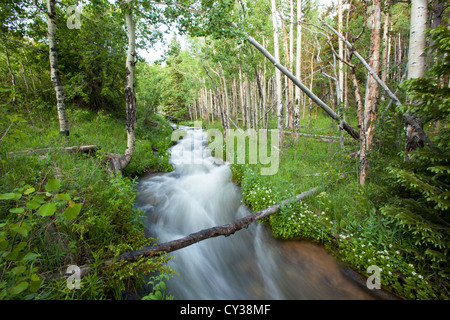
{"type": "Point", "coordinates": [59, 209]}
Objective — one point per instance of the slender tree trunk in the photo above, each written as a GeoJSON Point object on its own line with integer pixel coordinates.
{"type": "Point", "coordinates": [242, 99]}
{"type": "Point", "coordinates": [278, 84]}
{"type": "Point", "coordinates": [359, 104]}
{"type": "Point", "coordinates": [371, 99]}
{"type": "Point", "coordinates": [298, 62]}
{"type": "Point", "coordinates": [11, 73]}
{"type": "Point", "coordinates": [234, 104]}
{"type": "Point", "coordinates": [54, 68]}
{"type": "Point", "coordinates": [119, 162]}
{"type": "Point", "coordinates": [31, 72]}
{"type": "Point", "coordinates": [248, 103]}
{"type": "Point", "coordinates": [291, 68]}
{"type": "Point", "coordinates": [130, 94]}
{"type": "Point", "coordinates": [341, 54]}
{"type": "Point", "coordinates": [416, 60]}
{"type": "Point", "coordinates": [384, 73]}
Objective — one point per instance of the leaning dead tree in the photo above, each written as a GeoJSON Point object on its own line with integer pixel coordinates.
{"type": "Point", "coordinates": [407, 117]}
{"type": "Point", "coordinates": [342, 124]}
{"type": "Point", "coordinates": [223, 230]}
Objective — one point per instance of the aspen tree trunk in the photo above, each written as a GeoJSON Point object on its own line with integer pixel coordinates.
{"type": "Point", "coordinates": [359, 104]}
{"type": "Point", "coordinates": [119, 162]}
{"type": "Point", "coordinates": [31, 71]}
{"type": "Point", "coordinates": [225, 104]}
{"type": "Point", "coordinates": [310, 88]}
{"type": "Point", "coordinates": [130, 94]}
{"type": "Point", "coordinates": [291, 68]}
{"type": "Point", "coordinates": [265, 96]}
{"type": "Point", "coordinates": [241, 96]}
{"type": "Point", "coordinates": [298, 62]}
{"type": "Point", "coordinates": [340, 86]}
{"type": "Point", "coordinates": [286, 82]}
{"type": "Point", "coordinates": [371, 98]}
{"type": "Point", "coordinates": [389, 48]}
{"type": "Point", "coordinates": [247, 102]}
{"type": "Point", "coordinates": [11, 73]}
{"type": "Point", "coordinates": [399, 59]}
{"type": "Point", "coordinates": [235, 104]}
{"type": "Point", "coordinates": [278, 84]}
{"type": "Point", "coordinates": [54, 69]}
{"type": "Point", "coordinates": [341, 54]}
{"type": "Point", "coordinates": [385, 48]}
{"type": "Point", "coordinates": [416, 60]}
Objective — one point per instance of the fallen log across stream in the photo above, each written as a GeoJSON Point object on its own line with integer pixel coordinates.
{"type": "Point", "coordinates": [82, 149]}
{"type": "Point", "coordinates": [223, 230]}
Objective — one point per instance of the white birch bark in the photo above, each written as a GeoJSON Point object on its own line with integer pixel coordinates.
{"type": "Point", "coordinates": [298, 61]}
{"type": "Point", "coordinates": [416, 60]}
{"type": "Point", "coordinates": [54, 69]}
{"type": "Point", "coordinates": [130, 94]}
{"type": "Point", "coordinates": [371, 98]}
{"type": "Point", "coordinates": [278, 84]}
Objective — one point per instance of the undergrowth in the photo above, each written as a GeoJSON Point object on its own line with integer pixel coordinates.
{"type": "Point", "coordinates": [343, 217]}
{"type": "Point", "coordinates": [59, 209]}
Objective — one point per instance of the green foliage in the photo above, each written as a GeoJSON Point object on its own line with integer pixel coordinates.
{"type": "Point", "coordinates": [59, 209]}
{"type": "Point", "coordinates": [26, 208]}
{"type": "Point", "coordinates": [416, 194]}
{"type": "Point", "coordinates": [158, 288]}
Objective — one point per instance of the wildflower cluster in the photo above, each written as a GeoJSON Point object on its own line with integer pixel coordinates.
{"type": "Point", "coordinates": [359, 252]}
{"type": "Point", "coordinates": [358, 243]}
{"type": "Point", "coordinates": [255, 194]}
{"type": "Point", "coordinates": [298, 219]}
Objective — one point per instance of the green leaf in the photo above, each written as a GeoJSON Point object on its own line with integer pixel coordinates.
{"type": "Point", "coordinates": [19, 288]}
{"type": "Point", "coordinates": [47, 209]}
{"type": "Point", "coordinates": [53, 185]}
{"type": "Point", "coordinates": [18, 270]}
{"type": "Point", "coordinates": [3, 243]}
{"type": "Point", "coordinates": [29, 190]}
{"type": "Point", "coordinates": [10, 196]}
{"type": "Point", "coordinates": [39, 198]}
{"type": "Point", "coordinates": [32, 204]}
{"type": "Point", "coordinates": [72, 212]}
{"type": "Point", "coordinates": [64, 196]}
{"type": "Point", "coordinates": [21, 229]}
{"type": "Point", "coordinates": [16, 210]}
{"type": "Point", "coordinates": [30, 256]}
{"type": "Point", "coordinates": [35, 283]}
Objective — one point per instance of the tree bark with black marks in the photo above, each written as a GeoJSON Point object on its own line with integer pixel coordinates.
{"type": "Point", "coordinates": [54, 69]}
{"type": "Point", "coordinates": [278, 84]}
{"type": "Point", "coordinates": [416, 62]}
{"type": "Point", "coordinates": [119, 162]}
{"type": "Point", "coordinates": [371, 99]}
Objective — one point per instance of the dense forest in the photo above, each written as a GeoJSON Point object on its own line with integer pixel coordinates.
{"type": "Point", "coordinates": [358, 91]}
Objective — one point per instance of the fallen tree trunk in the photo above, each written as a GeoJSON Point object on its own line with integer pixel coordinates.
{"type": "Point", "coordinates": [223, 230]}
{"type": "Point", "coordinates": [84, 149]}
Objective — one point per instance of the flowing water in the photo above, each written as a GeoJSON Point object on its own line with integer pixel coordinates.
{"type": "Point", "coordinates": [250, 264]}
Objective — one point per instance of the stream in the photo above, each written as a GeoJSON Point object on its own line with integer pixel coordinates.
{"type": "Point", "coordinates": [251, 264]}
